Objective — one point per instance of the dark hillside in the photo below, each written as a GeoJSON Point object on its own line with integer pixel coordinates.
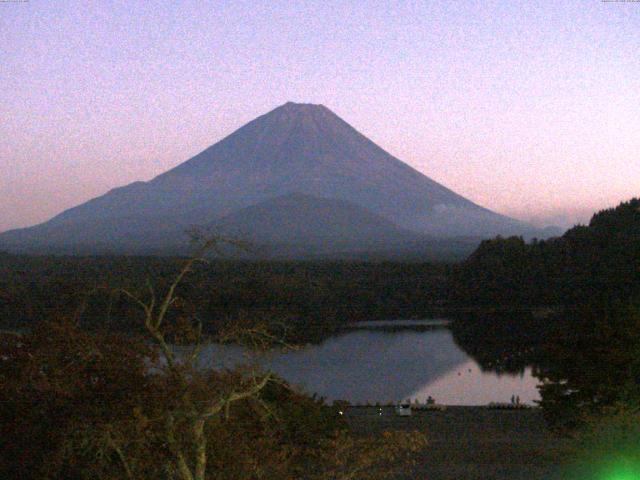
{"type": "Point", "coordinates": [311, 298]}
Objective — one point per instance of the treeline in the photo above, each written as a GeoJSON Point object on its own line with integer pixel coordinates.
{"type": "Point", "coordinates": [600, 262]}
{"type": "Point", "coordinates": [310, 299]}
{"type": "Point", "coordinates": [570, 305]}
{"type": "Point", "coordinates": [80, 404]}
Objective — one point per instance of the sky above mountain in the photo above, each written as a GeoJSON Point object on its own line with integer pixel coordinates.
{"type": "Point", "coordinates": [531, 109]}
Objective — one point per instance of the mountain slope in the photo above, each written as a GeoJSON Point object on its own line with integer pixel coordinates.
{"type": "Point", "coordinates": [303, 219]}
{"type": "Point", "coordinates": [294, 148]}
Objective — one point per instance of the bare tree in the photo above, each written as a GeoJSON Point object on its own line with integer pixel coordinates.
{"type": "Point", "coordinates": [194, 411]}
{"type": "Point", "coordinates": [123, 407]}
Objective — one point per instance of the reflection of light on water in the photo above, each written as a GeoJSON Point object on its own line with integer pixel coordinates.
{"type": "Point", "coordinates": [378, 366]}
{"type": "Point", "coordinates": [469, 385]}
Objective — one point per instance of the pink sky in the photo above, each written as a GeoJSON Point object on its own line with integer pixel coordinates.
{"type": "Point", "coordinates": [531, 109]}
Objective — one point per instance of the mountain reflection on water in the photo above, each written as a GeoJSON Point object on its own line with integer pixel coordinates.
{"type": "Point", "coordinates": [380, 365]}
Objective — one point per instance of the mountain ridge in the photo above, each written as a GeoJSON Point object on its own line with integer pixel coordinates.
{"type": "Point", "coordinates": [293, 148]}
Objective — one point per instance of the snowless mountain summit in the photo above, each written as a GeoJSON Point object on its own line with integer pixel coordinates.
{"type": "Point", "coordinates": [294, 149]}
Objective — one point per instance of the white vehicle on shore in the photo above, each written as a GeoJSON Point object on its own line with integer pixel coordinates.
{"type": "Point", "coordinates": [403, 409]}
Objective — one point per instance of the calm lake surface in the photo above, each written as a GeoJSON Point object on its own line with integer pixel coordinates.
{"type": "Point", "coordinates": [386, 361]}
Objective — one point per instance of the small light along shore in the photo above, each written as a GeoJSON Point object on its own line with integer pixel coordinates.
{"type": "Point", "coordinates": [420, 407]}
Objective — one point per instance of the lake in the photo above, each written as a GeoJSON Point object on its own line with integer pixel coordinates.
{"type": "Point", "coordinates": [387, 362]}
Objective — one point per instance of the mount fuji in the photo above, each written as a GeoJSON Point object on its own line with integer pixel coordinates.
{"type": "Point", "coordinates": [298, 176]}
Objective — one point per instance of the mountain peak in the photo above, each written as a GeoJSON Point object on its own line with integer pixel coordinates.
{"type": "Point", "coordinates": [297, 147]}
{"type": "Point", "coordinates": [303, 109]}
{"type": "Point", "coordinates": [295, 123]}
{"type": "Point", "coordinates": [303, 106]}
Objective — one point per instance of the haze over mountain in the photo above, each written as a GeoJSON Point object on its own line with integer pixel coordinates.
{"type": "Point", "coordinates": [298, 174]}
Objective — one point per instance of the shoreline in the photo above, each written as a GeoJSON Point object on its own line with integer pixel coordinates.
{"type": "Point", "coordinates": [472, 442]}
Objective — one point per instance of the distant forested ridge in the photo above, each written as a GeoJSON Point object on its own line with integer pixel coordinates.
{"type": "Point", "coordinates": [312, 299]}
{"type": "Point", "coordinates": [571, 304]}
{"type": "Point", "coordinates": [600, 260]}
